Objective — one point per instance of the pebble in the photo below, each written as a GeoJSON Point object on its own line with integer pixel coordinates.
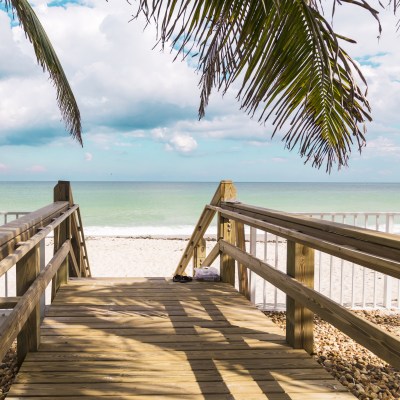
{"type": "Point", "coordinates": [8, 370]}
{"type": "Point", "coordinates": [363, 373]}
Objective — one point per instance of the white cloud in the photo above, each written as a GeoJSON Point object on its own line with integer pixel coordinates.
{"type": "Point", "coordinates": [3, 167]}
{"type": "Point", "coordinates": [182, 144]}
{"type": "Point", "coordinates": [382, 147]}
{"type": "Point", "coordinates": [88, 156]}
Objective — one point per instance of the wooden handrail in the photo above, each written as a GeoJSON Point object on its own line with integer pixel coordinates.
{"type": "Point", "coordinates": [23, 228]}
{"type": "Point", "coordinates": [378, 243]}
{"type": "Point", "coordinates": [225, 191]}
{"type": "Point", "coordinates": [375, 250]}
{"type": "Point", "coordinates": [380, 342]}
{"type": "Point", "coordinates": [14, 323]}
{"type": "Point", "coordinates": [9, 261]}
{"type": "Point", "coordinates": [386, 265]}
{"type": "Point", "coordinates": [20, 246]}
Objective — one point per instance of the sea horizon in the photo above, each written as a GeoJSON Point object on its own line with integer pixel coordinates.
{"type": "Point", "coordinates": [160, 208]}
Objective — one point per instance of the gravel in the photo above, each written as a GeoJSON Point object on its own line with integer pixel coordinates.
{"type": "Point", "coordinates": [364, 374]}
{"type": "Point", "coordinates": [8, 370]}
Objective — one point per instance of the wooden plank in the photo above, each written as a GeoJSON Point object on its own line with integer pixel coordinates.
{"type": "Point", "coordinates": [128, 375]}
{"type": "Point", "coordinates": [74, 264]}
{"type": "Point", "coordinates": [226, 231]}
{"type": "Point", "coordinates": [199, 253]}
{"type": "Point", "coordinates": [382, 264]}
{"type": "Point", "coordinates": [21, 312]}
{"type": "Point", "coordinates": [317, 227]}
{"type": "Point", "coordinates": [177, 396]}
{"type": "Point", "coordinates": [8, 302]}
{"type": "Point", "coordinates": [300, 320]}
{"type": "Point", "coordinates": [242, 270]}
{"type": "Point", "coordinates": [198, 233]}
{"type": "Point", "coordinates": [22, 228]}
{"type": "Point", "coordinates": [214, 253]}
{"type": "Point", "coordinates": [146, 350]}
{"type": "Point", "coordinates": [62, 192]}
{"type": "Point", "coordinates": [27, 270]}
{"type": "Point", "coordinates": [17, 254]}
{"type": "Point", "coordinates": [86, 270]}
{"type": "Point", "coordinates": [227, 386]}
{"type": "Point", "coordinates": [226, 191]}
{"type": "Point", "coordinates": [380, 342]}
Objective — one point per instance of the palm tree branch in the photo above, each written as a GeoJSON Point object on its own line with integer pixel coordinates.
{"type": "Point", "coordinates": [48, 60]}
{"type": "Point", "coordinates": [288, 63]}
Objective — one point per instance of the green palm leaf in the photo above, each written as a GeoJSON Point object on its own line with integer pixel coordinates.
{"type": "Point", "coordinates": [47, 58]}
{"type": "Point", "coordinates": [289, 64]}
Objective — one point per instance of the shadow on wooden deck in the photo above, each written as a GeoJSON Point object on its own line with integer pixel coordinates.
{"type": "Point", "coordinates": [151, 338]}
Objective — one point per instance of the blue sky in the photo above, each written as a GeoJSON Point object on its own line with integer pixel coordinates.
{"type": "Point", "coordinates": [139, 109]}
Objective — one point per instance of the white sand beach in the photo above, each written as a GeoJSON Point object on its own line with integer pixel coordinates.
{"type": "Point", "coordinates": [158, 257]}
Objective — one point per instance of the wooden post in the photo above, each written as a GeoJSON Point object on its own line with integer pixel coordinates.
{"type": "Point", "coordinates": [242, 270]}
{"type": "Point", "coordinates": [199, 253]}
{"type": "Point", "coordinates": [76, 247]}
{"type": "Point", "coordinates": [226, 231]}
{"type": "Point", "coordinates": [27, 269]}
{"type": "Point", "coordinates": [62, 192]}
{"type": "Point", "coordinates": [227, 263]}
{"type": "Point", "coordinates": [299, 320]}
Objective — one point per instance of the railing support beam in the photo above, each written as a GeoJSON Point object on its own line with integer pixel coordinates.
{"type": "Point", "coordinates": [199, 253]}
{"type": "Point", "coordinates": [27, 270]}
{"type": "Point", "coordinates": [299, 320]}
{"type": "Point", "coordinates": [227, 263]}
{"type": "Point", "coordinates": [62, 192]}
{"type": "Point", "coordinates": [243, 276]}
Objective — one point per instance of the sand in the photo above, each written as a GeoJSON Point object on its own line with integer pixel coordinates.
{"type": "Point", "coordinates": [159, 257]}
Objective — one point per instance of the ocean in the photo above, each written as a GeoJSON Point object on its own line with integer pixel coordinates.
{"type": "Point", "coordinates": [173, 208]}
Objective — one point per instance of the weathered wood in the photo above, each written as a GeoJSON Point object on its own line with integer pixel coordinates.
{"type": "Point", "coordinates": [383, 344]}
{"type": "Point", "coordinates": [22, 229]}
{"type": "Point", "coordinates": [11, 259]}
{"type": "Point", "coordinates": [214, 253]}
{"type": "Point", "coordinates": [226, 191]}
{"type": "Point", "coordinates": [134, 359]}
{"type": "Point", "coordinates": [380, 244]}
{"type": "Point", "coordinates": [62, 192]}
{"type": "Point", "coordinates": [299, 320]}
{"type": "Point", "coordinates": [386, 266]}
{"type": "Point", "coordinates": [242, 270]}
{"type": "Point", "coordinates": [198, 233]}
{"type": "Point", "coordinates": [27, 269]}
{"type": "Point", "coordinates": [226, 231]}
{"type": "Point", "coordinates": [74, 265]}
{"type": "Point", "coordinates": [8, 302]}
{"type": "Point", "coordinates": [86, 270]}
{"type": "Point", "coordinates": [21, 312]}
{"type": "Point", "coordinates": [199, 253]}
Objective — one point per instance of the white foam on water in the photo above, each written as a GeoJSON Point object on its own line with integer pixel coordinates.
{"type": "Point", "coordinates": [140, 231]}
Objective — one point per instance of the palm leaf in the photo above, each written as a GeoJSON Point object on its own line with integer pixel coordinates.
{"type": "Point", "coordinates": [48, 60]}
{"type": "Point", "coordinates": [287, 60]}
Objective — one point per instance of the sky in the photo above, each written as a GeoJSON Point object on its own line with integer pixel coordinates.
{"type": "Point", "coordinates": [139, 108]}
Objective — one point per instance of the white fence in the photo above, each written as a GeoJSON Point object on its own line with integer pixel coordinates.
{"type": "Point", "coordinates": [346, 283]}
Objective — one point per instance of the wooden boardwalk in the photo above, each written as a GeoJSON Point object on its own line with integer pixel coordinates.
{"type": "Point", "coordinates": [152, 338]}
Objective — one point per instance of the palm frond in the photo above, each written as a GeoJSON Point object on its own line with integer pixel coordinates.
{"type": "Point", "coordinates": [287, 60]}
{"type": "Point", "coordinates": [48, 60]}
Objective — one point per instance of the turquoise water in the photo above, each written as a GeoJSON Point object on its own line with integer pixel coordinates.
{"type": "Point", "coordinates": [173, 208]}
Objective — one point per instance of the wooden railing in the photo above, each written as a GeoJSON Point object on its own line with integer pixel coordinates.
{"type": "Point", "coordinates": [375, 250]}
{"type": "Point", "coordinates": [20, 248]}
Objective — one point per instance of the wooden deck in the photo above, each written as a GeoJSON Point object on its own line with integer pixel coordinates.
{"type": "Point", "coordinates": [152, 338]}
